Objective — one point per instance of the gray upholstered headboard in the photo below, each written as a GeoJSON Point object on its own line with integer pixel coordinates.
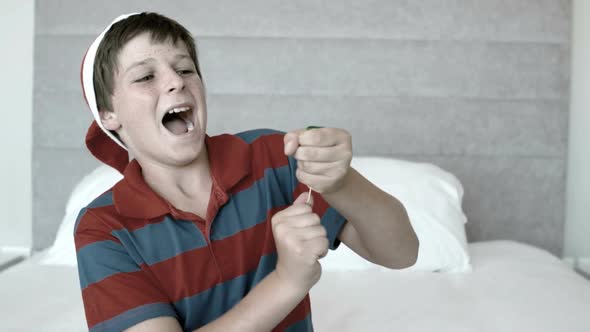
{"type": "Point", "coordinates": [477, 87]}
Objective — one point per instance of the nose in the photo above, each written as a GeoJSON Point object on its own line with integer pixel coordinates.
{"type": "Point", "coordinates": [175, 82]}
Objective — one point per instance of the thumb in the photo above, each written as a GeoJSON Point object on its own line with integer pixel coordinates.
{"type": "Point", "coordinates": [291, 141]}
{"type": "Point", "coordinates": [302, 199]}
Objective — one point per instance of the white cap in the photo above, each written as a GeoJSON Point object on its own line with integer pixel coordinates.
{"type": "Point", "coordinates": [87, 77]}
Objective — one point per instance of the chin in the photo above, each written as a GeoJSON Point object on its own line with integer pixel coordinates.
{"type": "Point", "coordinates": [187, 155]}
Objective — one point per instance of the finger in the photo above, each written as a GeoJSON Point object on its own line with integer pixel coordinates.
{"type": "Point", "coordinates": [318, 168]}
{"type": "Point", "coordinates": [299, 207]}
{"type": "Point", "coordinates": [301, 199]}
{"type": "Point", "coordinates": [318, 246]}
{"type": "Point", "coordinates": [312, 232]}
{"type": "Point", "coordinates": [318, 181]}
{"type": "Point", "coordinates": [304, 198]}
{"type": "Point", "coordinates": [303, 221]}
{"type": "Point", "coordinates": [296, 209]}
{"type": "Point", "coordinates": [321, 154]}
{"type": "Point", "coordinates": [322, 137]}
{"type": "Point", "coordinates": [304, 234]}
{"type": "Point", "coordinates": [291, 141]}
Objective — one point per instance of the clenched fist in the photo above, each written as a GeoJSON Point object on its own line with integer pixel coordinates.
{"type": "Point", "coordinates": [301, 241]}
{"type": "Point", "coordinates": [323, 157]}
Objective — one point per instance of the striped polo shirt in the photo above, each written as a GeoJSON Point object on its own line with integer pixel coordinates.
{"type": "Point", "coordinates": [139, 257]}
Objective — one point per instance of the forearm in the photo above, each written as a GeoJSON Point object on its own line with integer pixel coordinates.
{"type": "Point", "coordinates": [265, 306]}
{"type": "Point", "coordinates": [379, 219]}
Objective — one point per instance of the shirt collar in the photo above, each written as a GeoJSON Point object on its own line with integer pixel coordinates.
{"type": "Point", "coordinates": [229, 162]}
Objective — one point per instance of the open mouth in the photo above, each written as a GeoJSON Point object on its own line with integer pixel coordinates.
{"type": "Point", "coordinates": [179, 120]}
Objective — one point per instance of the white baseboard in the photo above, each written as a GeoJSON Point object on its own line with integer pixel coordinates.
{"type": "Point", "coordinates": [584, 264]}
{"type": "Point", "coordinates": [570, 261]}
{"type": "Point", "coordinates": [17, 251]}
{"type": "Point", "coordinates": [580, 264]}
{"type": "Point", "coordinates": [10, 256]}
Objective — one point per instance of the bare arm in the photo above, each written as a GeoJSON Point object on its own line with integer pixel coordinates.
{"type": "Point", "coordinates": [378, 226]}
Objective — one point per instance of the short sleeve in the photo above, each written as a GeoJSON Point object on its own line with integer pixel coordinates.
{"type": "Point", "coordinates": [117, 293]}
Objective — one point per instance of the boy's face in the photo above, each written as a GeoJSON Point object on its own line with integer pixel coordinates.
{"type": "Point", "coordinates": [158, 103]}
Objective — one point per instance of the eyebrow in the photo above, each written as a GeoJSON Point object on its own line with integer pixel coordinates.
{"type": "Point", "coordinates": [148, 60]}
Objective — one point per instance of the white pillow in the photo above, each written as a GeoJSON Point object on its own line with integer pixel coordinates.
{"type": "Point", "coordinates": [63, 250]}
{"type": "Point", "coordinates": [432, 197]}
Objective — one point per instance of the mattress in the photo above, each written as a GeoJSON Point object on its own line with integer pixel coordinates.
{"type": "Point", "coordinates": [35, 297]}
{"type": "Point", "coordinates": [513, 287]}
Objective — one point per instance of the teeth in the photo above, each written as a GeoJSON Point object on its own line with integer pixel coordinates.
{"type": "Point", "coordinates": [178, 110]}
{"type": "Point", "coordinates": [189, 124]}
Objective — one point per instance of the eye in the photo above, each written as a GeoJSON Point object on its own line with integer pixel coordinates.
{"type": "Point", "coordinates": [185, 72]}
{"type": "Point", "coordinates": [145, 78]}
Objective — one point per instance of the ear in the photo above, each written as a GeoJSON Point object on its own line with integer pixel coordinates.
{"type": "Point", "coordinates": [109, 120]}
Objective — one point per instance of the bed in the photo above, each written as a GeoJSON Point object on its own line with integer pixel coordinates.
{"type": "Point", "coordinates": [512, 287]}
{"type": "Point", "coordinates": [480, 89]}
{"type": "Point", "coordinates": [454, 285]}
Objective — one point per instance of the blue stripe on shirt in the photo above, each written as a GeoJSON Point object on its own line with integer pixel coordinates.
{"type": "Point", "coordinates": [160, 241]}
{"type": "Point", "coordinates": [135, 316]}
{"type": "Point", "coordinates": [251, 135]}
{"type": "Point", "coordinates": [102, 259]}
{"type": "Point", "coordinates": [250, 207]}
{"type": "Point", "coordinates": [304, 325]}
{"type": "Point", "coordinates": [220, 298]}
{"type": "Point", "coordinates": [333, 221]}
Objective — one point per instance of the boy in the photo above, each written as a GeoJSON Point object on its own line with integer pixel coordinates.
{"type": "Point", "coordinates": [211, 233]}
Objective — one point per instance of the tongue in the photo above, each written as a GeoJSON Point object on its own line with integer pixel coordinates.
{"type": "Point", "coordinates": [176, 125]}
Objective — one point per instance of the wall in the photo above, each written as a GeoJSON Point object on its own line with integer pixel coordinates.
{"type": "Point", "coordinates": [16, 141]}
{"type": "Point", "coordinates": [577, 230]}
{"type": "Point", "coordinates": [478, 87]}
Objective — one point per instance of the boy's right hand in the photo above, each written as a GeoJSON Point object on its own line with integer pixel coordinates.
{"type": "Point", "coordinates": [301, 241]}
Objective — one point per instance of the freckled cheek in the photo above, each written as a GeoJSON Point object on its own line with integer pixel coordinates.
{"type": "Point", "coordinates": [139, 115]}
{"type": "Point", "coordinates": [143, 105]}
{"type": "Point", "coordinates": [198, 94]}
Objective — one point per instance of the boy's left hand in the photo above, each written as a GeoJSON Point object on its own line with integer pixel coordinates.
{"type": "Point", "coordinates": [323, 157]}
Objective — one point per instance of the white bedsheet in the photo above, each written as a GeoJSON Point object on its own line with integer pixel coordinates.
{"type": "Point", "coordinates": [36, 297]}
{"type": "Point", "coordinates": [513, 287]}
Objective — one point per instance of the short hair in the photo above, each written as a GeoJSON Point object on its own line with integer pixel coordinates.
{"type": "Point", "coordinates": [161, 29]}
